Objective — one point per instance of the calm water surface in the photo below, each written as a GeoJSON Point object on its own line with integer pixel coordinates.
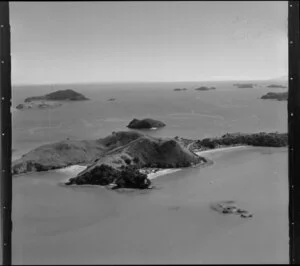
{"type": "Point", "coordinates": [172, 223]}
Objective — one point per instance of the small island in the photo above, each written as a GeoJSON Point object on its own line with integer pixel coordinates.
{"type": "Point", "coordinates": [111, 99]}
{"type": "Point", "coordinates": [179, 89]}
{"type": "Point", "coordinates": [244, 85]}
{"type": "Point", "coordinates": [204, 88]}
{"type": "Point", "coordinates": [279, 96]}
{"type": "Point", "coordinates": [276, 86]}
{"type": "Point", "coordinates": [146, 123]}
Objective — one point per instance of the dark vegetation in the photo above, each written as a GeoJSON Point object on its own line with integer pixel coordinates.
{"type": "Point", "coordinates": [127, 177]}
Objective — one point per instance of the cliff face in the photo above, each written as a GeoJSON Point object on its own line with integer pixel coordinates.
{"type": "Point", "coordinates": [145, 124]}
{"type": "Point", "coordinates": [61, 95]}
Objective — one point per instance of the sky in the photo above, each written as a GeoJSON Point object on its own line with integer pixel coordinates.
{"type": "Point", "coordinates": [88, 42]}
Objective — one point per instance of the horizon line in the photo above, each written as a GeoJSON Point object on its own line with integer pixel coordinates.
{"type": "Point", "coordinates": [142, 81]}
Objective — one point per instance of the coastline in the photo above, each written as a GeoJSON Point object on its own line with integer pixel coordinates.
{"type": "Point", "coordinates": [230, 148]}
{"type": "Point", "coordinates": [152, 173]}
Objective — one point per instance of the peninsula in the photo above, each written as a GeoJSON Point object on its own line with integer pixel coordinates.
{"type": "Point", "coordinates": [121, 158]}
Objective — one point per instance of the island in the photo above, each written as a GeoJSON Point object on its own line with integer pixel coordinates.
{"type": "Point", "coordinates": [279, 96]}
{"type": "Point", "coordinates": [179, 89]}
{"type": "Point", "coordinates": [51, 100]}
{"type": "Point", "coordinates": [146, 123]}
{"type": "Point", "coordinates": [276, 86]}
{"type": "Point", "coordinates": [204, 88]}
{"type": "Point", "coordinates": [111, 99]}
{"type": "Point", "coordinates": [60, 95]}
{"type": "Point", "coordinates": [244, 85]}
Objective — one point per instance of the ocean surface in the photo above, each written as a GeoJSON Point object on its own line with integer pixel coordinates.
{"type": "Point", "coordinates": [172, 223]}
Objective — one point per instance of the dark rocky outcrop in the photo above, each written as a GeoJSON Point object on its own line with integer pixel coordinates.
{"type": "Point", "coordinates": [60, 95]}
{"type": "Point", "coordinates": [145, 124]}
{"type": "Point", "coordinates": [279, 96]}
{"type": "Point", "coordinates": [204, 88]}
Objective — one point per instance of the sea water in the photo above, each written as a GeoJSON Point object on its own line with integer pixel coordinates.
{"type": "Point", "coordinates": [172, 223]}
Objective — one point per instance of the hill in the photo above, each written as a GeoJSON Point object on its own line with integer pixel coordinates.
{"type": "Point", "coordinates": [69, 152]}
{"type": "Point", "coordinates": [121, 164]}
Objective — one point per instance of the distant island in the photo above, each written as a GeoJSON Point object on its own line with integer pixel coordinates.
{"type": "Point", "coordinates": [244, 85]}
{"type": "Point", "coordinates": [120, 158]}
{"type": "Point", "coordinates": [38, 105]}
{"type": "Point", "coordinates": [203, 88]}
{"type": "Point", "coordinates": [60, 95]}
{"type": "Point", "coordinates": [276, 86]}
{"type": "Point", "coordinates": [179, 89]}
{"type": "Point", "coordinates": [51, 100]}
{"type": "Point", "coordinates": [279, 96]}
{"type": "Point", "coordinates": [111, 99]}
{"type": "Point", "coordinates": [146, 123]}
